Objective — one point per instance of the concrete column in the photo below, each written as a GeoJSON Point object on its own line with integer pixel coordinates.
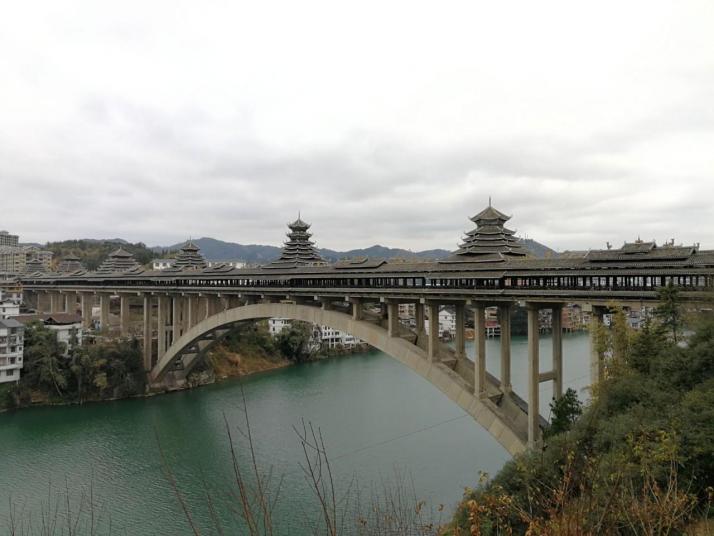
{"type": "Point", "coordinates": [176, 318]}
{"type": "Point", "coordinates": [597, 359]}
{"type": "Point", "coordinates": [87, 303]}
{"type": "Point", "coordinates": [433, 340]}
{"type": "Point", "coordinates": [356, 308]}
{"type": "Point", "coordinates": [148, 332]}
{"type": "Point", "coordinates": [43, 305]}
{"type": "Point", "coordinates": [533, 376]}
{"type": "Point", "coordinates": [480, 357]}
{"type": "Point", "coordinates": [161, 318]}
{"type": "Point", "coordinates": [460, 331]}
{"type": "Point", "coordinates": [504, 319]}
{"type": "Point", "coordinates": [393, 319]}
{"type": "Point", "coordinates": [557, 326]}
{"type": "Point", "coordinates": [204, 308]}
{"type": "Point", "coordinates": [66, 303]}
{"type": "Point", "coordinates": [192, 306]}
{"type": "Point", "coordinates": [124, 314]}
{"type": "Point", "coordinates": [56, 302]}
{"type": "Point", "coordinates": [419, 317]}
{"type": "Point", "coordinates": [104, 310]}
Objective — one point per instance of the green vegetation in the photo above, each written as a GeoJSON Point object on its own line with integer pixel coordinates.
{"type": "Point", "coordinates": [91, 253]}
{"type": "Point", "coordinates": [638, 460]}
{"type": "Point", "coordinates": [54, 374]}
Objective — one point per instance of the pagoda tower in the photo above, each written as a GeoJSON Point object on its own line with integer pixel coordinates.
{"type": "Point", "coordinates": [70, 263]}
{"type": "Point", "coordinates": [490, 237]}
{"type": "Point", "coordinates": [118, 261]}
{"type": "Point", "coordinates": [190, 258]}
{"type": "Point", "coordinates": [299, 249]}
{"type": "Point", "coordinates": [34, 266]}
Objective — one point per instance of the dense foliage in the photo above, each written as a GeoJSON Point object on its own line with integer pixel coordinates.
{"type": "Point", "coordinates": [640, 458]}
{"type": "Point", "coordinates": [54, 373]}
{"type": "Point", "coordinates": [91, 253]}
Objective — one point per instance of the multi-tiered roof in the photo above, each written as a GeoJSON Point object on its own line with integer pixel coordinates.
{"type": "Point", "coordinates": [35, 265]}
{"type": "Point", "coordinates": [118, 261]}
{"type": "Point", "coordinates": [490, 237]}
{"type": "Point", "coordinates": [70, 263]}
{"type": "Point", "coordinates": [190, 258]}
{"type": "Point", "coordinates": [299, 249]}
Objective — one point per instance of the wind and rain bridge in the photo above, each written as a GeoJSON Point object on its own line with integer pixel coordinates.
{"type": "Point", "coordinates": [188, 308]}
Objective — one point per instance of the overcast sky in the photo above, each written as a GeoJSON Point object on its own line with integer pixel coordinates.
{"type": "Point", "coordinates": [383, 122]}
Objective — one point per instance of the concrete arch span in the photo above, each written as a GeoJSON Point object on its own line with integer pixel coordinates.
{"type": "Point", "coordinates": [504, 421]}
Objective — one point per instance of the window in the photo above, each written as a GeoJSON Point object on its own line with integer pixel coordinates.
{"type": "Point", "coordinates": [10, 372]}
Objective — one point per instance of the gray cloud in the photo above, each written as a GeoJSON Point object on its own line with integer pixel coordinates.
{"type": "Point", "coordinates": [155, 130]}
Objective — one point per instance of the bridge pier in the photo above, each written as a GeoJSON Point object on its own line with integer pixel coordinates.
{"type": "Point", "coordinates": [124, 314]}
{"type": "Point", "coordinates": [480, 344]}
{"type": "Point", "coordinates": [56, 302]}
{"type": "Point", "coordinates": [419, 317]}
{"type": "Point", "coordinates": [557, 329]}
{"type": "Point", "coordinates": [148, 332]}
{"type": "Point", "coordinates": [460, 318]}
{"type": "Point", "coordinates": [433, 336]}
{"type": "Point", "coordinates": [393, 319]}
{"type": "Point", "coordinates": [104, 298]}
{"type": "Point", "coordinates": [161, 320]}
{"type": "Point", "coordinates": [504, 319]}
{"type": "Point", "coordinates": [533, 376]}
{"type": "Point", "coordinates": [356, 308]}
{"type": "Point", "coordinates": [176, 311]}
{"type": "Point", "coordinates": [597, 359]}
{"type": "Point", "coordinates": [87, 299]}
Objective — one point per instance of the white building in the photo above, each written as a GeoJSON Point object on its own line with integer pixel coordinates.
{"type": "Point", "coordinates": [67, 326]}
{"type": "Point", "coordinates": [162, 264]}
{"type": "Point", "coordinates": [12, 341]}
{"type": "Point", "coordinates": [232, 264]}
{"type": "Point", "coordinates": [8, 308]}
{"type": "Point", "coordinates": [322, 336]}
{"type": "Point", "coordinates": [447, 323]}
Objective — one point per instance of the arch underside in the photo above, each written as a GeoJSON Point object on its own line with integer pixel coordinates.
{"type": "Point", "coordinates": [503, 415]}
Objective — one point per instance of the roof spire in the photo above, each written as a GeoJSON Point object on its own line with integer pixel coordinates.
{"type": "Point", "coordinates": [489, 200]}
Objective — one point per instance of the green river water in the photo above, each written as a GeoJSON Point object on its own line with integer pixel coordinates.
{"type": "Point", "coordinates": [377, 418]}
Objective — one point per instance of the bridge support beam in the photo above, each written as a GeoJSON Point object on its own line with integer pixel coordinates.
{"type": "Point", "coordinates": [87, 303]}
{"type": "Point", "coordinates": [480, 357]}
{"type": "Point", "coordinates": [176, 312]}
{"type": "Point", "coordinates": [419, 317]}
{"type": "Point", "coordinates": [161, 318]}
{"type": "Point", "coordinates": [356, 308]}
{"type": "Point", "coordinates": [460, 330]}
{"type": "Point", "coordinates": [557, 328]}
{"type": "Point", "coordinates": [597, 359]}
{"type": "Point", "coordinates": [193, 315]}
{"type": "Point", "coordinates": [56, 302]}
{"type": "Point", "coordinates": [124, 314]}
{"type": "Point", "coordinates": [42, 302]}
{"type": "Point", "coordinates": [393, 319]}
{"type": "Point", "coordinates": [433, 337]}
{"type": "Point", "coordinates": [533, 376]}
{"type": "Point", "coordinates": [148, 332]}
{"type": "Point", "coordinates": [104, 310]}
{"type": "Point", "coordinates": [504, 319]}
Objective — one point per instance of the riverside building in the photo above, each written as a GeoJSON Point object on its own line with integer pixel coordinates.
{"type": "Point", "coordinates": [11, 349]}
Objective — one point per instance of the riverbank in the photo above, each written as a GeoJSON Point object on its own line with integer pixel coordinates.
{"type": "Point", "coordinates": [112, 370]}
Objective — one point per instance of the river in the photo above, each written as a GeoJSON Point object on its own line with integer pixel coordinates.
{"type": "Point", "coordinates": [377, 417]}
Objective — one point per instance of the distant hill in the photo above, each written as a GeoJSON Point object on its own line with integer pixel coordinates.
{"type": "Point", "coordinates": [219, 250]}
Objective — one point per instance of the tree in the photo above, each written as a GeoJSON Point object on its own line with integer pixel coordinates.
{"type": "Point", "coordinates": [668, 311]}
{"type": "Point", "coordinates": [564, 412]}
{"type": "Point", "coordinates": [294, 342]}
